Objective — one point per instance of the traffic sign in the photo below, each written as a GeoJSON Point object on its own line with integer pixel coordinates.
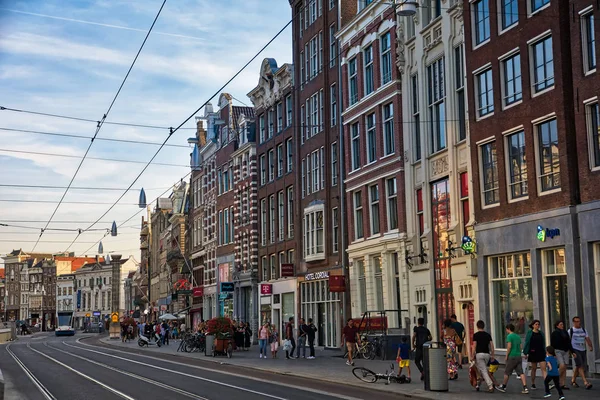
{"type": "Point", "coordinates": [114, 317]}
{"type": "Point", "coordinates": [88, 315]}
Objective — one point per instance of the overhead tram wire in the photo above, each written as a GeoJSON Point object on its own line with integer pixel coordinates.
{"type": "Point", "coordinates": [70, 135]}
{"type": "Point", "coordinates": [101, 122]}
{"type": "Point", "coordinates": [100, 189]}
{"type": "Point", "coordinates": [173, 130]}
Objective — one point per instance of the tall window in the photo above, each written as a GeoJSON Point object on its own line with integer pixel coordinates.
{"type": "Point", "coordinates": [332, 46]}
{"type": "Point", "coordinates": [482, 21]}
{"type": "Point", "coordinates": [316, 170]}
{"type": "Point", "coordinates": [290, 155]}
{"type": "Point", "coordinates": [460, 92]}
{"type": "Point", "coordinates": [378, 275]}
{"type": "Point", "coordinates": [511, 69]}
{"type": "Point", "coordinates": [371, 139]}
{"type": "Point", "coordinates": [335, 228]}
{"type": "Point", "coordinates": [358, 216]}
{"type": "Point", "coordinates": [362, 284]}
{"type": "Point", "coordinates": [290, 211]}
{"type": "Point", "coordinates": [303, 123]}
{"type": "Point", "coordinates": [511, 274]}
{"type": "Point", "coordinates": [289, 110]}
{"type": "Point", "coordinates": [261, 127]}
{"type": "Point", "coordinates": [368, 68]}
{"type": "Point", "coordinates": [543, 64]}
{"type": "Point", "coordinates": [272, 218]}
{"type": "Point", "coordinates": [322, 158]}
{"type": "Point", "coordinates": [352, 82]}
{"type": "Point", "coordinates": [437, 108]}
{"type": "Point", "coordinates": [281, 215]}
{"type": "Point", "coordinates": [227, 219]}
{"type": "Point", "coordinates": [265, 268]}
{"type": "Point", "coordinates": [549, 163]}
{"type": "Point", "coordinates": [334, 164]}
{"type": "Point", "coordinates": [388, 129]}
{"type": "Point", "coordinates": [314, 245]}
{"type": "Point", "coordinates": [273, 266]}
{"type": "Point", "coordinates": [489, 165]}
{"type": "Point", "coordinates": [355, 146]}
{"type": "Point", "coordinates": [386, 58]}
{"type": "Point", "coordinates": [279, 117]}
{"type": "Point", "coordinates": [302, 69]}
{"type": "Point", "coordinates": [510, 13]}
{"type": "Point", "coordinates": [464, 200]}
{"type": "Point", "coordinates": [416, 126]}
{"type": "Point", "coordinates": [588, 42]}
{"type": "Point", "coordinates": [280, 160]}
{"type": "Point", "coordinates": [333, 97]}
{"type": "Point", "coordinates": [537, 4]}
{"type": "Point", "coordinates": [303, 167]}
{"type": "Point", "coordinates": [593, 123]}
{"type": "Point", "coordinates": [517, 165]}
{"type": "Point", "coordinates": [374, 200]}
{"type": "Point", "coordinates": [555, 271]}
{"type": "Point", "coordinates": [420, 215]}
{"type": "Point", "coordinates": [392, 204]}
{"type": "Point", "coordinates": [485, 93]}
{"type": "Point", "coordinates": [271, 122]}
{"type": "Point", "coordinates": [271, 161]}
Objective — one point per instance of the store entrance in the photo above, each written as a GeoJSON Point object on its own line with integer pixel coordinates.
{"type": "Point", "coordinates": [321, 323]}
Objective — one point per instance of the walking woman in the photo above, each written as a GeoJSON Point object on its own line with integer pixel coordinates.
{"type": "Point", "coordinates": [535, 350]}
{"type": "Point", "coordinates": [263, 337]}
{"type": "Point", "coordinates": [274, 340]}
{"type": "Point", "coordinates": [450, 341]}
{"type": "Point", "coordinates": [247, 336]}
{"type": "Point", "coordinates": [561, 342]}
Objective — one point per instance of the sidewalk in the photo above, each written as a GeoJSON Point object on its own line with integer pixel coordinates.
{"type": "Point", "coordinates": [329, 366]}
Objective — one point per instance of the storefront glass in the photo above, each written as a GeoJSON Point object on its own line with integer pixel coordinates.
{"type": "Point", "coordinates": [325, 308]}
{"type": "Point", "coordinates": [556, 286]}
{"type": "Point", "coordinates": [265, 314]}
{"type": "Point", "coordinates": [511, 295]}
{"type": "Point", "coordinates": [287, 308]}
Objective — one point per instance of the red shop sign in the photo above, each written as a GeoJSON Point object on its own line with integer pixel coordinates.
{"type": "Point", "coordinates": [287, 270]}
{"type": "Point", "coordinates": [337, 283]}
{"type": "Point", "coordinates": [198, 292]}
{"type": "Point", "coordinates": [266, 288]}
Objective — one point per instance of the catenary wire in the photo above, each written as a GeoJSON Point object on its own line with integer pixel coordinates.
{"type": "Point", "coordinates": [100, 123]}
{"type": "Point", "coordinates": [100, 189]}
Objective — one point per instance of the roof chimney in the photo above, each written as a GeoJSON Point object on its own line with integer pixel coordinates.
{"type": "Point", "coordinates": [97, 259]}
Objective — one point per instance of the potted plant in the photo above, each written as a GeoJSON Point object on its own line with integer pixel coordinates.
{"type": "Point", "coordinates": [221, 329]}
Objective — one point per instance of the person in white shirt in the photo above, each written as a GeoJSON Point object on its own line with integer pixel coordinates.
{"type": "Point", "coordinates": [182, 329]}
{"type": "Point", "coordinates": [579, 338]}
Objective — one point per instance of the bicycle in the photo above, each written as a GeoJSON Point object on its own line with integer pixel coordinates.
{"type": "Point", "coordinates": [368, 376]}
{"type": "Point", "coordinates": [377, 349]}
{"type": "Point", "coordinates": [363, 350]}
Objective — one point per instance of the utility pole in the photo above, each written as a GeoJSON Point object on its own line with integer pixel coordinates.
{"type": "Point", "coordinates": [115, 326]}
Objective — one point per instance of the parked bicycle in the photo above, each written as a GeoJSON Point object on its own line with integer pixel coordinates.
{"type": "Point", "coordinates": [192, 342]}
{"type": "Point", "coordinates": [368, 376]}
{"type": "Point", "coordinates": [377, 348]}
{"type": "Point", "coordinates": [363, 350]}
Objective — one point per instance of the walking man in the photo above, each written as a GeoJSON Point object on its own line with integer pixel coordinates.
{"type": "Point", "coordinates": [483, 351]}
{"type": "Point", "coordinates": [460, 331]}
{"type": "Point", "coordinates": [420, 336]}
{"type": "Point", "coordinates": [513, 359]}
{"type": "Point", "coordinates": [579, 338]}
{"type": "Point", "coordinates": [312, 330]}
{"type": "Point", "coordinates": [302, 335]}
{"type": "Point", "coordinates": [289, 335]}
{"type": "Point", "coordinates": [350, 337]}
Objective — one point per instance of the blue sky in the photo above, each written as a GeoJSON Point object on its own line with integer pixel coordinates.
{"type": "Point", "coordinates": [69, 58]}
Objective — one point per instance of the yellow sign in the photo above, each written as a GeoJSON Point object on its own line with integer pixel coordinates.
{"type": "Point", "coordinates": [87, 315]}
{"type": "Point", "coordinates": [114, 317]}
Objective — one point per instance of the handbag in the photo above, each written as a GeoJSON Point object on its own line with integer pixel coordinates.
{"type": "Point", "coordinates": [287, 345]}
{"type": "Point", "coordinates": [458, 340]}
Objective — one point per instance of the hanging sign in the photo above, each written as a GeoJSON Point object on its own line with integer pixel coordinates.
{"type": "Point", "coordinates": [313, 276]}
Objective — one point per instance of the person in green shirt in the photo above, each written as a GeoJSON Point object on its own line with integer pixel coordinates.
{"type": "Point", "coordinates": [513, 359]}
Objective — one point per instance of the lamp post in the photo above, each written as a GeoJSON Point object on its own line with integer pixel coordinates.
{"type": "Point", "coordinates": [406, 8]}
{"type": "Point", "coordinates": [115, 326]}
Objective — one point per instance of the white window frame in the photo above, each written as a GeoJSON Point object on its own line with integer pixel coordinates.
{"type": "Point", "coordinates": [532, 65]}
{"type": "Point", "coordinates": [322, 160]}
{"type": "Point", "coordinates": [279, 117]}
{"type": "Point", "coordinates": [332, 46]}
{"type": "Point", "coordinates": [334, 229]}
{"type": "Point", "coordinates": [593, 143]}
{"type": "Point", "coordinates": [495, 200]}
{"type": "Point", "coordinates": [314, 229]}
{"type": "Point", "coordinates": [333, 102]}
{"type": "Point", "coordinates": [261, 127]}
{"type": "Point", "coordinates": [538, 156]}
{"type": "Point", "coordinates": [374, 210]}
{"type": "Point", "coordinates": [486, 20]}
{"type": "Point", "coordinates": [289, 154]}
{"type": "Point", "coordinates": [510, 56]}
{"type": "Point", "coordinates": [289, 110]}
{"type": "Point", "coordinates": [501, 14]}
{"type": "Point", "coordinates": [389, 140]}
{"type": "Point", "coordinates": [530, 7]}
{"type": "Point", "coordinates": [368, 70]}
{"type": "Point", "coordinates": [355, 162]}
{"type": "Point", "coordinates": [391, 197]}
{"type": "Point", "coordinates": [271, 162]}
{"type": "Point", "coordinates": [588, 41]}
{"type": "Point", "coordinates": [316, 170]}
{"type": "Point", "coordinates": [358, 215]}
{"type": "Point", "coordinates": [437, 105]}
{"type": "Point", "coordinates": [272, 218]}
{"type": "Point", "coordinates": [281, 215]}
{"type": "Point", "coordinates": [280, 160]}
{"type": "Point", "coordinates": [334, 164]}
{"type": "Point", "coordinates": [508, 164]}
{"type": "Point", "coordinates": [385, 41]}
{"type": "Point", "coordinates": [352, 81]}
{"type": "Point", "coordinates": [371, 136]}
{"type": "Point", "coordinates": [303, 168]}
{"type": "Point", "coordinates": [290, 211]}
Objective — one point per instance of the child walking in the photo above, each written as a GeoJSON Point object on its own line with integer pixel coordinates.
{"type": "Point", "coordinates": [403, 357]}
{"type": "Point", "coordinates": [552, 373]}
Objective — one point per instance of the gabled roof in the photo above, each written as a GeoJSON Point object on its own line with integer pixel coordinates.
{"type": "Point", "coordinates": [78, 262]}
{"type": "Point", "coordinates": [17, 252]}
{"type": "Point", "coordinates": [238, 110]}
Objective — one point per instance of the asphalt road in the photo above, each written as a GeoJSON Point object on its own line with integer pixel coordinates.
{"type": "Point", "coordinates": [49, 368]}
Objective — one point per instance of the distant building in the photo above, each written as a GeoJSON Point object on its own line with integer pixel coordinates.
{"type": "Point", "coordinates": [65, 292]}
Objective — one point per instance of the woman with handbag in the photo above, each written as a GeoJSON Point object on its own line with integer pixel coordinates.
{"type": "Point", "coordinates": [263, 336]}
{"type": "Point", "coordinates": [274, 341]}
{"type": "Point", "coordinates": [535, 350]}
{"type": "Point", "coordinates": [450, 340]}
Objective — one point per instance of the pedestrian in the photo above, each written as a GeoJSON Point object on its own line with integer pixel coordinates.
{"type": "Point", "coordinates": [350, 338]}
{"type": "Point", "coordinates": [274, 341]}
{"type": "Point", "coordinates": [450, 340]}
{"type": "Point", "coordinates": [312, 330]}
{"type": "Point", "coordinates": [420, 336]}
{"type": "Point", "coordinates": [403, 357]}
{"type": "Point", "coordinates": [239, 336]}
{"type": "Point", "coordinates": [513, 360]}
{"type": "Point", "coordinates": [247, 336]}
{"type": "Point", "coordinates": [289, 335]}
{"type": "Point", "coordinates": [302, 335]}
{"type": "Point", "coordinates": [552, 373]}
{"type": "Point", "coordinates": [482, 351]}
{"type": "Point", "coordinates": [561, 342]}
{"type": "Point", "coordinates": [460, 333]}
{"type": "Point", "coordinates": [182, 328]}
{"type": "Point", "coordinates": [263, 337]}
{"type": "Point", "coordinates": [579, 338]}
{"type": "Point", "coordinates": [535, 350]}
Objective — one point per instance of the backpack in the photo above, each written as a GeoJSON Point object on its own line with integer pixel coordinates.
{"type": "Point", "coordinates": [571, 332]}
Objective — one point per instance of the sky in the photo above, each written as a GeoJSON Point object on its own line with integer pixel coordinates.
{"type": "Point", "coordinates": [68, 57]}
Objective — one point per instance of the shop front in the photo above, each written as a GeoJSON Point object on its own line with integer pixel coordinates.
{"type": "Point", "coordinates": [196, 311]}
{"type": "Point", "coordinates": [529, 268]}
{"type": "Point", "coordinates": [321, 298]}
{"type": "Point", "coordinates": [278, 302]}
{"type": "Point", "coordinates": [209, 302]}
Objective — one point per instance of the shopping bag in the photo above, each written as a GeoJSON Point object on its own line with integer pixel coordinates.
{"type": "Point", "coordinates": [287, 345]}
{"type": "Point", "coordinates": [524, 365]}
{"type": "Point", "coordinates": [473, 374]}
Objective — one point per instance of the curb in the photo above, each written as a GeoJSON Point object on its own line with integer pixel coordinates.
{"type": "Point", "coordinates": [1, 385]}
{"type": "Point", "coordinates": [413, 395]}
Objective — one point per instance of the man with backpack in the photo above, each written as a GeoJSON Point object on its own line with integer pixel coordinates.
{"type": "Point", "coordinates": [420, 336]}
{"type": "Point", "coordinates": [579, 338]}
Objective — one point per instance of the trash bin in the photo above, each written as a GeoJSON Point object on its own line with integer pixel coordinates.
{"type": "Point", "coordinates": [435, 367]}
{"type": "Point", "coordinates": [210, 341]}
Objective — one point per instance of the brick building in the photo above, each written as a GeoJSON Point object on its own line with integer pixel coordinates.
{"type": "Point", "coordinates": [277, 216]}
{"type": "Point", "coordinates": [320, 237]}
{"type": "Point", "coordinates": [372, 159]}
{"type": "Point", "coordinates": [534, 147]}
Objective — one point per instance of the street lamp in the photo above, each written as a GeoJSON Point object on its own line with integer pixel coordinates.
{"type": "Point", "coordinates": [406, 8]}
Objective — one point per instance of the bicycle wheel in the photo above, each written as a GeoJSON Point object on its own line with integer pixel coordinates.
{"type": "Point", "coordinates": [365, 375]}
{"type": "Point", "coordinates": [366, 350]}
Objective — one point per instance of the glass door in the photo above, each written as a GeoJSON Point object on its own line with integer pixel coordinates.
{"type": "Point", "coordinates": [558, 307]}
